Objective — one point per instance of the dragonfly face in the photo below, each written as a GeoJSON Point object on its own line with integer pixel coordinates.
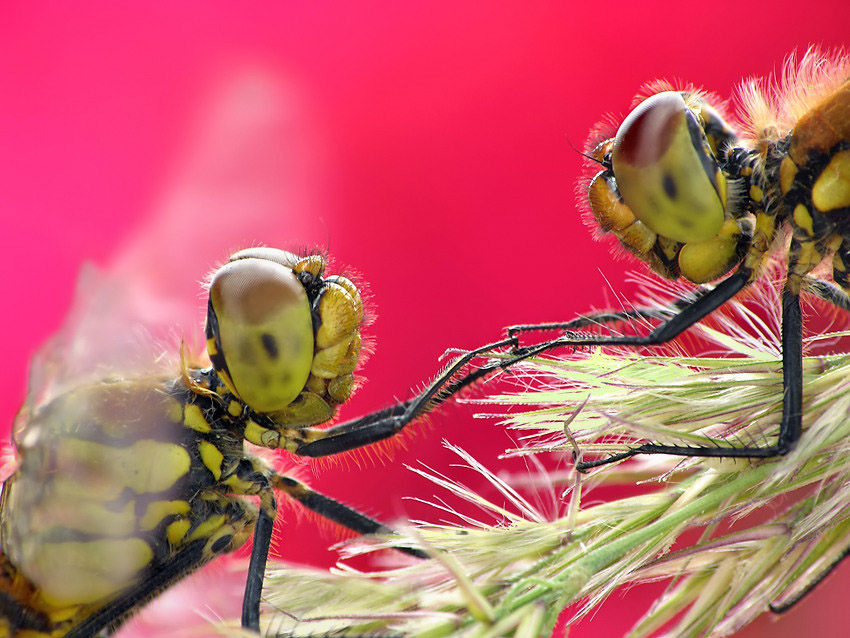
{"type": "Point", "coordinates": [664, 193]}
{"type": "Point", "coordinates": [127, 484]}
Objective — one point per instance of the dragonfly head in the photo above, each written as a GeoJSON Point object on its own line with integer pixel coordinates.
{"type": "Point", "coordinates": [662, 190]}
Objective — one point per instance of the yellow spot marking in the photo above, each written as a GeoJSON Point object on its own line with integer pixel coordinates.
{"type": "Point", "coordinates": [258, 435]}
{"type": "Point", "coordinates": [756, 193]}
{"type": "Point", "coordinates": [211, 457]}
{"type": "Point", "coordinates": [86, 516]}
{"type": "Point", "coordinates": [787, 173]}
{"type": "Point", "coordinates": [235, 408]}
{"type": "Point", "coordinates": [803, 219]}
{"type": "Point", "coordinates": [832, 188]}
{"type": "Point", "coordinates": [212, 350]}
{"type": "Point", "coordinates": [239, 486]}
{"type": "Point", "coordinates": [173, 410]}
{"type": "Point", "coordinates": [83, 572]}
{"type": "Point", "coordinates": [96, 471]}
{"type": "Point", "coordinates": [177, 531]}
{"type": "Point", "coordinates": [668, 246]}
{"type": "Point", "coordinates": [765, 229]}
{"type": "Point", "coordinates": [158, 510]}
{"type": "Point", "coordinates": [808, 257]}
{"type": "Point", "coordinates": [61, 615]}
{"type": "Point", "coordinates": [208, 527]}
{"type": "Point", "coordinates": [227, 381]}
{"type": "Point", "coordinates": [193, 417]}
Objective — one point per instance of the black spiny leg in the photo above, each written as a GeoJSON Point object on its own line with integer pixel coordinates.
{"type": "Point", "coordinates": [389, 422]}
{"type": "Point", "coordinates": [335, 511]}
{"type": "Point", "coordinates": [781, 608]}
{"type": "Point", "coordinates": [322, 505]}
{"type": "Point", "coordinates": [603, 317]}
{"type": "Point", "coordinates": [692, 312]}
{"type": "Point", "coordinates": [827, 291]}
{"type": "Point", "coordinates": [256, 571]}
{"type": "Point", "coordinates": [790, 427]}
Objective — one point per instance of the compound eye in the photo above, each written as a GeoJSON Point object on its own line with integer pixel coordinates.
{"type": "Point", "coordinates": [260, 332]}
{"type": "Point", "coordinates": [665, 170]}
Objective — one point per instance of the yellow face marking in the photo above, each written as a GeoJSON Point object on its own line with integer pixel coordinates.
{"type": "Point", "coordinates": [832, 188]}
{"type": "Point", "coordinates": [334, 360]}
{"type": "Point", "coordinates": [611, 214]}
{"type": "Point", "coordinates": [701, 262]}
{"type": "Point", "coordinates": [340, 388]}
{"type": "Point", "coordinates": [310, 409]}
{"type": "Point", "coordinates": [313, 264]}
{"type": "Point", "coordinates": [63, 614]}
{"type": "Point", "coordinates": [341, 314]}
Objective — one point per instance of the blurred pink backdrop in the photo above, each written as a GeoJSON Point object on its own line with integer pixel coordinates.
{"type": "Point", "coordinates": [425, 145]}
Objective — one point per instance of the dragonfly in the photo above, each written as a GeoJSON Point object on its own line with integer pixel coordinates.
{"type": "Point", "coordinates": [699, 198]}
{"type": "Point", "coordinates": [126, 483]}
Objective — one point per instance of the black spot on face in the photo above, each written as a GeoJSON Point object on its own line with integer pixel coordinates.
{"type": "Point", "coordinates": [669, 186]}
{"type": "Point", "coordinates": [270, 345]}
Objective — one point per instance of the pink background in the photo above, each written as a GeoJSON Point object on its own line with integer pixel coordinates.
{"type": "Point", "coordinates": [426, 145]}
